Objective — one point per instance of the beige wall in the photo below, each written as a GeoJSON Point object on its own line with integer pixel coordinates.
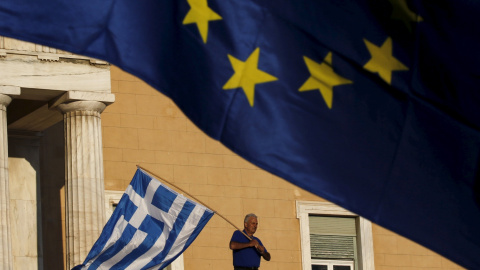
{"type": "Point", "coordinates": [393, 252]}
{"type": "Point", "coordinates": [143, 127]}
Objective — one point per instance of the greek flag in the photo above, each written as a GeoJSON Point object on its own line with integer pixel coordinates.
{"type": "Point", "coordinates": [150, 227]}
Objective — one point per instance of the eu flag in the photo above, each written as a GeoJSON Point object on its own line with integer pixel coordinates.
{"type": "Point", "coordinates": [373, 105]}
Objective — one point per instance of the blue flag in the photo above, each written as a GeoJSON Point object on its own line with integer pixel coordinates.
{"type": "Point", "coordinates": [150, 227]}
{"type": "Point", "coordinates": [372, 105]}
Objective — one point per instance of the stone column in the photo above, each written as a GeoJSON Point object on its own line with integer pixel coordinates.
{"type": "Point", "coordinates": [84, 183]}
{"type": "Point", "coordinates": [6, 260]}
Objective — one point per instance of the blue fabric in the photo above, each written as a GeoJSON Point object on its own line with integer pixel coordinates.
{"type": "Point", "coordinates": [132, 239]}
{"type": "Point", "coordinates": [246, 257]}
{"type": "Point", "coordinates": [400, 148]}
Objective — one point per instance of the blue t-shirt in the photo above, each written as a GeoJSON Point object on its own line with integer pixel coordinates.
{"type": "Point", "coordinates": [246, 257]}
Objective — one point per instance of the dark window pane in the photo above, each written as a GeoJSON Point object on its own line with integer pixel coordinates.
{"type": "Point", "coordinates": [319, 267]}
{"type": "Point", "coordinates": [341, 267]}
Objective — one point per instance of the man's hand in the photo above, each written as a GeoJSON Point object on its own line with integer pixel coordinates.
{"type": "Point", "coordinates": [260, 249]}
{"type": "Point", "coordinates": [263, 252]}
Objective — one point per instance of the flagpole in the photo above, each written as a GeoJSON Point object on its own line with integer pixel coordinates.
{"type": "Point", "coordinates": [193, 197]}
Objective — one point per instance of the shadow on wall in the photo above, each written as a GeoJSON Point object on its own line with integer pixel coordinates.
{"type": "Point", "coordinates": [25, 202]}
{"type": "Point", "coordinates": [52, 153]}
{"type": "Point", "coordinates": [37, 179]}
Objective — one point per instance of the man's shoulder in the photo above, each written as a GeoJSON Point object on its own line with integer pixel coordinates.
{"type": "Point", "coordinates": [237, 232]}
{"type": "Point", "coordinates": [238, 236]}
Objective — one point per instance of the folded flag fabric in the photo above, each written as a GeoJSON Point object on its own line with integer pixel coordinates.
{"type": "Point", "coordinates": [150, 227]}
{"type": "Point", "coordinates": [372, 105]}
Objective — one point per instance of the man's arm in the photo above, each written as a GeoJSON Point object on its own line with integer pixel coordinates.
{"type": "Point", "coordinates": [266, 256]}
{"type": "Point", "coordinates": [236, 245]}
{"type": "Point", "coordinates": [261, 249]}
{"type": "Point", "coordinates": [253, 243]}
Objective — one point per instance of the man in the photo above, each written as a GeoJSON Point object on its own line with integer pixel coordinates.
{"type": "Point", "coordinates": [246, 252]}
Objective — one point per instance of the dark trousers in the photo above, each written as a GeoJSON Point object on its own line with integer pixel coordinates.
{"type": "Point", "coordinates": [244, 268]}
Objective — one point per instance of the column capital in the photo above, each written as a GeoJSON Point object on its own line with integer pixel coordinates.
{"type": "Point", "coordinates": [6, 91]}
{"type": "Point", "coordinates": [70, 96]}
{"type": "Point", "coordinates": [5, 100]}
{"type": "Point", "coordinates": [96, 106]}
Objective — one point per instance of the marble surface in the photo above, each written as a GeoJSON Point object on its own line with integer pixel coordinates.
{"type": "Point", "coordinates": [5, 233]}
{"type": "Point", "coordinates": [61, 76]}
{"type": "Point", "coordinates": [85, 199]}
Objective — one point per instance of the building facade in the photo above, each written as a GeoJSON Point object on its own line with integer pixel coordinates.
{"type": "Point", "coordinates": [73, 130]}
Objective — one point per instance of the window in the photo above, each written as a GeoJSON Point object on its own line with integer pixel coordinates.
{"type": "Point", "coordinates": [333, 238]}
{"type": "Point", "coordinates": [333, 242]}
{"type": "Point", "coordinates": [111, 201]}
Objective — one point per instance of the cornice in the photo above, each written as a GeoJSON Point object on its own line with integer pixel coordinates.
{"type": "Point", "coordinates": [50, 57]}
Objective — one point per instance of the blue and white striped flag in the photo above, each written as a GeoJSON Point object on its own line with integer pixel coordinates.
{"type": "Point", "coordinates": [150, 227]}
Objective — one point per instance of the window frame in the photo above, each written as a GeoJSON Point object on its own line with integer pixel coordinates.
{"type": "Point", "coordinates": [112, 197]}
{"type": "Point", "coordinates": [330, 263]}
{"type": "Point", "coordinates": [365, 237]}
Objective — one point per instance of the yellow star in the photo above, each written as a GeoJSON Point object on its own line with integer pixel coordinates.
{"type": "Point", "coordinates": [403, 13]}
{"type": "Point", "coordinates": [323, 78]}
{"type": "Point", "coordinates": [200, 14]}
{"type": "Point", "coordinates": [246, 75]}
{"type": "Point", "coordinates": [382, 61]}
